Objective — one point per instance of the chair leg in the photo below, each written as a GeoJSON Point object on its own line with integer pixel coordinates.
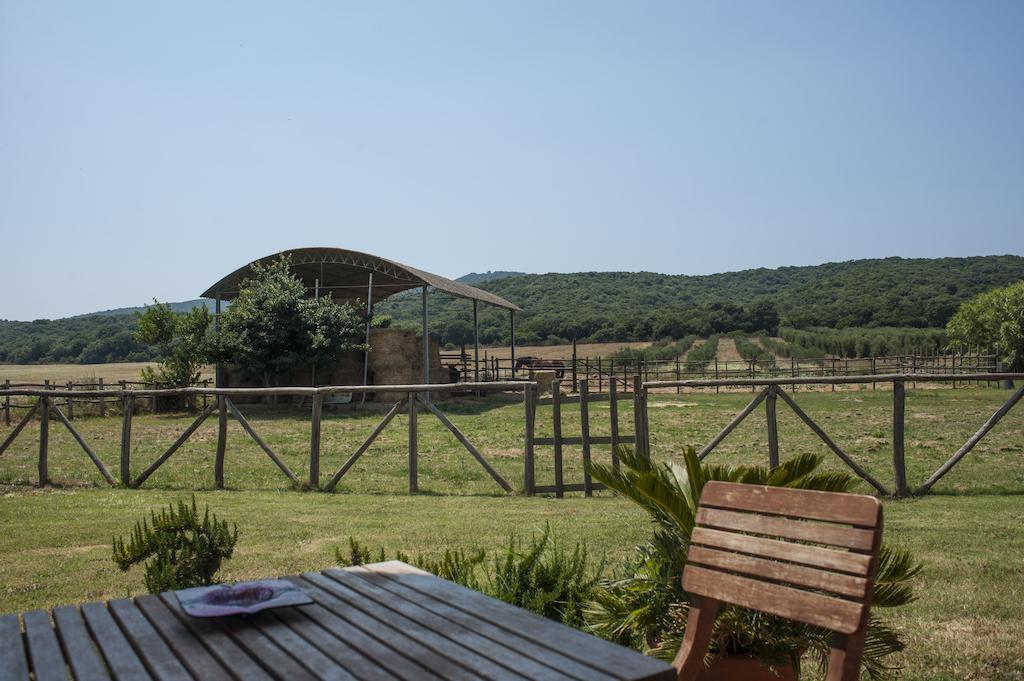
{"type": "Point", "coordinates": [844, 660]}
{"type": "Point", "coordinates": [690, 659]}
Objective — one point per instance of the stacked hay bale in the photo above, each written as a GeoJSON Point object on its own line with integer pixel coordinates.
{"type": "Point", "coordinates": [396, 358]}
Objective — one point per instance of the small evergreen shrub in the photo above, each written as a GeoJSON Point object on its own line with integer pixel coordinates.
{"type": "Point", "coordinates": [182, 550]}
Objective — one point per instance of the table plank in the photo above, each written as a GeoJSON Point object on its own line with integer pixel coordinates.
{"type": "Point", "coordinates": [440, 642]}
{"type": "Point", "coordinates": [615, 661]}
{"type": "Point", "coordinates": [158, 658]}
{"type": "Point", "coordinates": [186, 646]}
{"type": "Point", "coordinates": [13, 662]}
{"type": "Point", "coordinates": [334, 646]}
{"type": "Point", "coordinates": [217, 642]}
{"type": "Point", "coordinates": [392, 661]}
{"type": "Point", "coordinates": [322, 666]}
{"type": "Point", "coordinates": [276, 661]}
{"type": "Point", "coordinates": [44, 651]}
{"type": "Point", "coordinates": [448, 627]}
{"type": "Point", "coordinates": [123, 663]}
{"type": "Point", "coordinates": [82, 654]}
{"type": "Point", "coordinates": [398, 642]}
{"type": "Point", "coordinates": [518, 643]}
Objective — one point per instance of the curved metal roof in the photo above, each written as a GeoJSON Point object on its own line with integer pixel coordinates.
{"type": "Point", "coordinates": [343, 274]}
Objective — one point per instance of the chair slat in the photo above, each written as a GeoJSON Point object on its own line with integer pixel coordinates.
{"type": "Point", "coordinates": [802, 606]}
{"type": "Point", "coordinates": [798, 575]}
{"type": "Point", "coordinates": [843, 561]}
{"type": "Point", "coordinates": [819, 532]}
{"type": "Point", "coordinates": [853, 509]}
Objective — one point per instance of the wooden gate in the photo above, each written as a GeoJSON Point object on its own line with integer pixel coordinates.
{"type": "Point", "coordinates": [559, 440]}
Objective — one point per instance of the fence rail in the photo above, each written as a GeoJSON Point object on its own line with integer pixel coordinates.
{"type": "Point", "coordinates": [771, 391]}
{"type": "Point", "coordinates": [414, 398]}
{"type": "Point", "coordinates": [600, 371]}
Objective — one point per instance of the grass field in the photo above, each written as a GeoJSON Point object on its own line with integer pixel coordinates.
{"type": "Point", "coordinates": [967, 624]}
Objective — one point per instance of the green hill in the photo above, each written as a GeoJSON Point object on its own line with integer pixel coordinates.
{"type": "Point", "coordinates": [606, 306]}
{"type": "Point", "coordinates": [603, 306]}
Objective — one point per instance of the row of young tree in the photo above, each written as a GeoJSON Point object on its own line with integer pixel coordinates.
{"type": "Point", "coordinates": [857, 342]}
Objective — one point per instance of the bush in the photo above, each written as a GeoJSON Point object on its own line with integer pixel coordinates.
{"type": "Point", "coordinates": [704, 352]}
{"type": "Point", "coordinates": [540, 576]}
{"type": "Point", "coordinates": [182, 550]}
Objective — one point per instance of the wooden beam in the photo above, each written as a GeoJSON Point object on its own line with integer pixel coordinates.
{"type": "Point", "coordinates": [556, 423]}
{"type": "Point", "coordinates": [529, 464]}
{"type": "Point", "coordinates": [414, 482]}
{"type": "Point", "coordinates": [613, 408]}
{"type": "Point", "coordinates": [378, 429]}
{"type": "Point", "coordinates": [81, 441]}
{"type": "Point", "coordinates": [773, 428]}
{"type": "Point", "coordinates": [247, 427]}
{"type": "Point", "coordinates": [744, 413]}
{"type": "Point", "coordinates": [222, 441]}
{"type": "Point", "coordinates": [44, 442]}
{"type": "Point", "coordinates": [588, 483]}
{"type": "Point", "coordinates": [899, 466]}
{"type": "Point", "coordinates": [127, 409]}
{"type": "Point", "coordinates": [973, 440]}
{"type": "Point", "coordinates": [832, 445]}
{"type": "Point", "coordinates": [314, 443]}
{"type": "Point", "coordinates": [174, 447]}
{"type": "Point", "coordinates": [469, 446]}
{"type": "Point", "coordinates": [18, 428]}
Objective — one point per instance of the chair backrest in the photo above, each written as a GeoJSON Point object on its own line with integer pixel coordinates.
{"type": "Point", "coordinates": [804, 555]}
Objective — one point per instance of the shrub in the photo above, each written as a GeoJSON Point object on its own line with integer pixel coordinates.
{"type": "Point", "coordinates": [540, 576]}
{"type": "Point", "coordinates": [704, 352]}
{"type": "Point", "coordinates": [181, 550]}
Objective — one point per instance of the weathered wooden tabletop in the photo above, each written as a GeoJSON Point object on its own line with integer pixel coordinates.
{"type": "Point", "coordinates": [381, 621]}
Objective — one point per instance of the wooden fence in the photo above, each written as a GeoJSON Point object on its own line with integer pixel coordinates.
{"type": "Point", "coordinates": [602, 371]}
{"type": "Point", "coordinates": [415, 398]}
{"type": "Point", "coordinates": [772, 390]}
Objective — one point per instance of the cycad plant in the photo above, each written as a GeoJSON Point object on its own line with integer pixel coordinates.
{"type": "Point", "coordinates": [646, 606]}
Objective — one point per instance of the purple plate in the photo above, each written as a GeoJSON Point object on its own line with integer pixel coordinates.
{"type": "Point", "coordinates": [243, 598]}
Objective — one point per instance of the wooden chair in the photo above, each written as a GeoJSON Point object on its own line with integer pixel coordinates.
{"type": "Point", "coordinates": [804, 555]}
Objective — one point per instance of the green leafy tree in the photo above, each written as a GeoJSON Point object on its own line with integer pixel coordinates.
{"type": "Point", "coordinates": [182, 548]}
{"type": "Point", "coordinates": [647, 607]}
{"type": "Point", "coordinates": [995, 320]}
{"type": "Point", "coordinates": [272, 326]}
{"type": "Point", "coordinates": [183, 341]}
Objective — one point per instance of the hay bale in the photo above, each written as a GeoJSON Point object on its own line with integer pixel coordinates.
{"type": "Point", "coordinates": [544, 380]}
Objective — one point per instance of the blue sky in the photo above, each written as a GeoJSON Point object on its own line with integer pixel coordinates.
{"type": "Point", "coordinates": [146, 149]}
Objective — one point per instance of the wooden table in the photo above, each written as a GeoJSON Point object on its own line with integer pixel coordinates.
{"type": "Point", "coordinates": [382, 621]}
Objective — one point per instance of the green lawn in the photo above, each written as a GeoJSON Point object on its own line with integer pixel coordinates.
{"type": "Point", "coordinates": [967, 624]}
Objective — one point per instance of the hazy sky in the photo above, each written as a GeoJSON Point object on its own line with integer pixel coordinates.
{"type": "Point", "coordinates": [146, 149]}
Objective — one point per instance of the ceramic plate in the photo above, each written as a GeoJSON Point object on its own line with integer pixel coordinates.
{"type": "Point", "coordinates": [243, 598]}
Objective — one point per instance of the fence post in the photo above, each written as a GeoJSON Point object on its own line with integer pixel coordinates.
{"type": "Point", "coordinates": [773, 428]}
{"type": "Point", "coordinates": [792, 372]}
{"type": "Point", "coordinates": [44, 440]}
{"type": "Point", "coordinates": [600, 377]}
{"type": "Point", "coordinates": [613, 408]}
{"type": "Point", "coordinates": [103, 400]}
{"type": "Point", "coordinates": [899, 400]}
{"type": "Point", "coordinates": [222, 441]}
{"type": "Point", "coordinates": [127, 407]}
{"type": "Point", "coordinates": [529, 468]}
{"type": "Point", "coordinates": [574, 380]}
{"type": "Point", "coordinates": [679, 389]}
{"type": "Point", "coordinates": [588, 485]}
{"type": "Point", "coordinates": [833, 373]}
{"type": "Point", "coordinates": [314, 442]}
{"type": "Point", "coordinates": [638, 416]}
{"type": "Point", "coordinates": [716, 375]}
{"type": "Point", "coordinates": [71, 402]}
{"type": "Point", "coordinates": [414, 480]}
{"type": "Point", "coordinates": [556, 424]}
{"type": "Point", "coordinates": [7, 403]}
